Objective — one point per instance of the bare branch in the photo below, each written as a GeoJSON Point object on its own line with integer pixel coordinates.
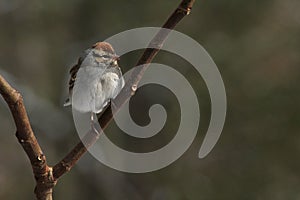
{"type": "Point", "coordinates": [90, 138]}
{"type": "Point", "coordinates": [27, 139]}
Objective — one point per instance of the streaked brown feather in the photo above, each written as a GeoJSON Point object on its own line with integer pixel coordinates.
{"type": "Point", "coordinates": [73, 73]}
{"type": "Point", "coordinates": [104, 46]}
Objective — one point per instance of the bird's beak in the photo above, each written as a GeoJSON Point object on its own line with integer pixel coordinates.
{"type": "Point", "coordinates": [115, 60]}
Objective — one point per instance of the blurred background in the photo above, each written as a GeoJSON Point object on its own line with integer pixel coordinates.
{"type": "Point", "coordinates": [256, 46]}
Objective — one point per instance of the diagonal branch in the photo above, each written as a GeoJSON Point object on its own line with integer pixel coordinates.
{"type": "Point", "coordinates": [90, 138]}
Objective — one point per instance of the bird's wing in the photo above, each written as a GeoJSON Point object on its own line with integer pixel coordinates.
{"type": "Point", "coordinates": [73, 73]}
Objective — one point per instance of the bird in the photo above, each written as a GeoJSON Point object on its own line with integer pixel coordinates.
{"type": "Point", "coordinates": [95, 80]}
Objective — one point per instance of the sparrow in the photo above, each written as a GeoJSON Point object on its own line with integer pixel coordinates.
{"type": "Point", "coordinates": [95, 79]}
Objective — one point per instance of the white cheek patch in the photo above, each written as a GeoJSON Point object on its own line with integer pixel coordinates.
{"type": "Point", "coordinates": [115, 62]}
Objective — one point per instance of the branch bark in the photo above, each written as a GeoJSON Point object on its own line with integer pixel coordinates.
{"type": "Point", "coordinates": [42, 172]}
{"type": "Point", "coordinates": [46, 177]}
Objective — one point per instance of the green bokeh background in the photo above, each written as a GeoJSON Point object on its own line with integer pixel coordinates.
{"type": "Point", "coordinates": [256, 46]}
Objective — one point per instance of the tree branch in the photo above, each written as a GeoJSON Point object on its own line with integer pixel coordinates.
{"type": "Point", "coordinates": [25, 136]}
{"type": "Point", "coordinates": [90, 138]}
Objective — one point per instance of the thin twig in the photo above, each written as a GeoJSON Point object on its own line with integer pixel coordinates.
{"type": "Point", "coordinates": [129, 90]}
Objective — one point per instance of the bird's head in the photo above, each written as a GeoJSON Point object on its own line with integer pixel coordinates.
{"type": "Point", "coordinates": [104, 53]}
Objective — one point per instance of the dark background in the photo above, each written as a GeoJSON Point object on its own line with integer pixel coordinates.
{"type": "Point", "coordinates": [255, 45]}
